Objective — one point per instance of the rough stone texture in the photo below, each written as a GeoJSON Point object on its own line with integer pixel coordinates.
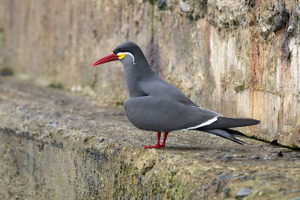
{"type": "Point", "coordinates": [57, 145]}
{"type": "Point", "coordinates": [239, 58]}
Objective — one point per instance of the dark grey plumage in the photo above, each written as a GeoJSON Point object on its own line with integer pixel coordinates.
{"type": "Point", "coordinates": [156, 105]}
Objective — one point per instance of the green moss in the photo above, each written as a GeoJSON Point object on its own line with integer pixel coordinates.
{"type": "Point", "coordinates": [240, 88]}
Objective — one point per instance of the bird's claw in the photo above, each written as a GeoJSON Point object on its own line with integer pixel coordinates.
{"type": "Point", "coordinates": [153, 146]}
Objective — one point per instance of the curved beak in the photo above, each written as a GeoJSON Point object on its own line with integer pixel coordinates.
{"type": "Point", "coordinates": [105, 59]}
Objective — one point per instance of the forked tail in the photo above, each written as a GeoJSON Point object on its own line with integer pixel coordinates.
{"type": "Point", "coordinates": [225, 133]}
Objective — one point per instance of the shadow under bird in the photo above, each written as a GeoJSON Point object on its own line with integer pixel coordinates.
{"type": "Point", "coordinates": [155, 105]}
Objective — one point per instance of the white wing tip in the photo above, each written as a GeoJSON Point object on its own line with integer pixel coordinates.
{"type": "Point", "coordinates": [208, 122]}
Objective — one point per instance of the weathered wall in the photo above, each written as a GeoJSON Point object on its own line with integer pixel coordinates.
{"type": "Point", "coordinates": [239, 58]}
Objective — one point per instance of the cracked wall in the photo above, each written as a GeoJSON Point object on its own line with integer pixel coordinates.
{"type": "Point", "coordinates": [239, 58]}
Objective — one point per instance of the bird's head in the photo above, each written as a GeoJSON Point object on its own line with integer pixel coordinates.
{"type": "Point", "coordinates": [128, 53]}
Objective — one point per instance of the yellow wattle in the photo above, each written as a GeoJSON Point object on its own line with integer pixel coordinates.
{"type": "Point", "coordinates": [121, 56]}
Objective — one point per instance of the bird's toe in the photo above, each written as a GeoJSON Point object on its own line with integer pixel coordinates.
{"type": "Point", "coordinates": [152, 146]}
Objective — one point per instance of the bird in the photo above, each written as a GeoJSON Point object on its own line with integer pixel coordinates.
{"type": "Point", "coordinates": [156, 105]}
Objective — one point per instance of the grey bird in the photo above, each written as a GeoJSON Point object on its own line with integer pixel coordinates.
{"type": "Point", "coordinates": [155, 105]}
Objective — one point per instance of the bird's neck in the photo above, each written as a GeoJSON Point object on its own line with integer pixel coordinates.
{"type": "Point", "coordinates": [134, 75]}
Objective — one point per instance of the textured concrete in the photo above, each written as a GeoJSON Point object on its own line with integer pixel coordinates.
{"type": "Point", "coordinates": [240, 58]}
{"type": "Point", "coordinates": [55, 145]}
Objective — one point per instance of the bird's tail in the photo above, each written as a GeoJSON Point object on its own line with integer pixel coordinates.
{"type": "Point", "coordinates": [227, 134]}
{"type": "Point", "coordinates": [226, 122]}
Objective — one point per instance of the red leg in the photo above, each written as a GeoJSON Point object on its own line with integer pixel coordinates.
{"type": "Point", "coordinates": [157, 143]}
{"type": "Point", "coordinates": [164, 140]}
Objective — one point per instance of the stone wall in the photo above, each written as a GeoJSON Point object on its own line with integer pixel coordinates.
{"type": "Point", "coordinates": [57, 145]}
{"type": "Point", "coordinates": [239, 58]}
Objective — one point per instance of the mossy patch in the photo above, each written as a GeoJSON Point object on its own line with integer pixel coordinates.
{"type": "Point", "coordinates": [240, 87]}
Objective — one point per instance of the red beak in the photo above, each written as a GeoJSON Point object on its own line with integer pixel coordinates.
{"type": "Point", "coordinates": [108, 58]}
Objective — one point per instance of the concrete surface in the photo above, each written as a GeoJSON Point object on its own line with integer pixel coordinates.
{"type": "Point", "coordinates": [239, 58]}
{"type": "Point", "coordinates": [58, 145]}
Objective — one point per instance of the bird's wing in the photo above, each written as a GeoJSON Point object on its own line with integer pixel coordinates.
{"type": "Point", "coordinates": [226, 122]}
{"type": "Point", "coordinates": [154, 113]}
{"type": "Point", "coordinates": [162, 89]}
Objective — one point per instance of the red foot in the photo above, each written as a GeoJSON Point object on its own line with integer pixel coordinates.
{"type": "Point", "coordinates": [152, 146]}
{"type": "Point", "coordinates": [157, 144]}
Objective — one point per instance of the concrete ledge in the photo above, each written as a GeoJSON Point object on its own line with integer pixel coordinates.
{"type": "Point", "coordinates": [56, 145]}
